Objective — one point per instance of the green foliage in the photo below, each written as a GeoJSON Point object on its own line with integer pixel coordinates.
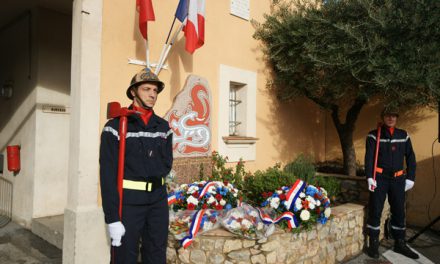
{"type": "Point", "coordinates": [302, 167]}
{"type": "Point", "coordinates": [265, 181]}
{"type": "Point", "coordinates": [222, 173]}
{"type": "Point", "coordinates": [331, 184]}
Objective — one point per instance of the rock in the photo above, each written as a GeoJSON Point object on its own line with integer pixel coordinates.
{"type": "Point", "coordinates": [270, 246]}
{"type": "Point", "coordinates": [271, 257]}
{"type": "Point", "coordinates": [248, 243]}
{"type": "Point", "coordinates": [219, 244]}
{"type": "Point", "coordinates": [240, 255]}
{"type": "Point", "coordinates": [198, 256]}
{"type": "Point", "coordinates": [183, 255]}
{"type": "Point", "coordinates": [258, 259]}
{"type": "Point", "coordinates": [311, 235]}
{"type": "Point", "coordinates": [255, 251]}
{"type": "Point", "coordinates": [208, 244]}
{"type": "Point", "coordinates": [216, 258]}
{"type": "Point", "coordinates": [171, 255]}
{"type": "Point", "coordinates": [232, 245]}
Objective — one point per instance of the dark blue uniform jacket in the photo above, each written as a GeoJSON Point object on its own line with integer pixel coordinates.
{"type": "Point", "coordinates": [148, 155]}
{"type": "Point", "coordinates": [393, 151]}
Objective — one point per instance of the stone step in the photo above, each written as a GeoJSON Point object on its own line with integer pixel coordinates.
{"type": "Point", "coordinates": [50, 228]}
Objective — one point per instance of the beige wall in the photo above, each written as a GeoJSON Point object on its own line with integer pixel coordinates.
{"type": "Point", "coordinates": [284, 129]}
{"type": "Point", "coordinates": [422, 126]}
{"type": "Point", "coordinates": [42, 136]}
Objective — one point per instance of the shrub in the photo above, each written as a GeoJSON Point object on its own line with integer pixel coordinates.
{"type": "Point", "coordinates": [303, 168]}
{"type": "Point", "coordinates": [262, 183]}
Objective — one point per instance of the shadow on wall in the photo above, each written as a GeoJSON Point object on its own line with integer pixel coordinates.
{"type": "Point", "coordinates": [423, 200]}
{"type": "Point", "coordinates": [295, 127]}
{"type": "Point", "coordinates": [367, 121]}
{"type": "Point", "coordinates": [17, 55]}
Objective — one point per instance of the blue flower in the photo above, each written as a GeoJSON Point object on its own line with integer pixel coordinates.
{"type": "Point", "coordinates": [322, 220]}
{"type": "Point", "coordinates": [228, 207]}
{"type": "Point", "coordinates": [264, 204]}
{"type": "Point", "coordinates": [311, 190]}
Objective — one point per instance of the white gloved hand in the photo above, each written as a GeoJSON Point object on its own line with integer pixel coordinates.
{"type": "Point", "coordinates": [116, 230]}
{"type": "Point", "coordinates": [408, 185]}
{"type": "Point", "coordinates": [372, 184]}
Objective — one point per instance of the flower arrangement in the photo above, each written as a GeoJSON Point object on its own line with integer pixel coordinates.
{"type": "Point", "coordinates": [244, 221]}
{"type": "Point", "coordinates": [182, 221]}
{"type": "Point", "coordinates": [309, 204]}
{"type": "Point", "coordinates": [215, 195]}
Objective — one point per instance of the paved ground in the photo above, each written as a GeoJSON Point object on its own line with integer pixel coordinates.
{"type": "Point", "coordinates": [20, 246]}
{"type": "Point", "coordinates": [428, 244]}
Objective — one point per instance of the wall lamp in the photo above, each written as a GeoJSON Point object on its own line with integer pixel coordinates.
{"type": "Point", "coordinates": [6, 90]}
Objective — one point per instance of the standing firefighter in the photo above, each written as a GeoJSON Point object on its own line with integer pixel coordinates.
{"type": "Point", "coordinates": [386, 176]}
{"type": "Point", "coordinates": [148, 159]}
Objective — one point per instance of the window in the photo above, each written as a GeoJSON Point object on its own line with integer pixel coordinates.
{"type": "Point", "coordinates": [237, 122]}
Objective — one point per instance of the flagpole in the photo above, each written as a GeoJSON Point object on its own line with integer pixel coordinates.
{"type": "Point", "coordinates": [156, 71]}
{"type": "Point", "coordinates": [147, 56]}
{"type": "Point", "coordinates": [170, 45]}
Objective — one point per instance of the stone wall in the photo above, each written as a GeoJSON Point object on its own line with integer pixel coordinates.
{"type": "Point", "coordinates": [340, 239]}
{"type": "Point", "coordinates": [188, 169]}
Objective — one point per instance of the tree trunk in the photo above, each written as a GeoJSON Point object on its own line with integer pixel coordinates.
{"type": "Point", "coordinates": [345, 133]}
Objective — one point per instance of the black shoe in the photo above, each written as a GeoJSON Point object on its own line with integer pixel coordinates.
{"type": "Point", "coordinates": [373, 248]}
{"type": "Point", "coordinates": [401, 248]}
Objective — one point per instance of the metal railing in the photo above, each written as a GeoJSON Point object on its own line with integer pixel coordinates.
{"type": "Point", "coordinates": [5, 201]}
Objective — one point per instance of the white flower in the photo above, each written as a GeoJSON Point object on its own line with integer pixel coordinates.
{"type": "Point", "coordinates": [192, 189]}
{"type": "Point", "coordinates": [298, 204]}
{"type": "Point", "coordinates": [318, 203]}
{"type": "Point", "coordinates": [212, 190]}
{"type": "Point", "coordinates": [210, 200]}
{"type": "Point", "coordinates": [311, 206]}
{"type": "Point", "coordinates": [235, 194]}
{"type": "Point", "coordinates": [310, 199]}
{"type": "Point", "coordinates": [275, 202]}
{"type": "Point", "coordinates": [323, 191]}
{"type": "Point", "coordinates": [253, 213]}
{"type": "Point", "coordinates": [235, 225]}
{"type": "Point", "coordinates": [207, 225]}
{"type": "Point", "coordinates": [305, 215]}
{"type": "Point", "coordinates": [192, 200]}
{"type": "Point", "coordinates": [279, 192]}
{"type": "Point", "coordinates": [302, 195]}
{"type": "Point", "coordinates": [246, 223]}
{"type": "Point", "coordinates": [222, 202]}
{"type": "Point", "coordinates": [183, 186]}
{"type": "Point", "coordinates": [327, 212]}
{"type": "Point", "coordinates": [236, 214]}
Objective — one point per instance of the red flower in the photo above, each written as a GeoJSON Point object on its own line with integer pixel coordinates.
{"type": "Point", "coordinates": [195, 194]}
{"type": "Point", "coordinates": [269, 194]}
{"type": "Point", "coordinates": [190, 206]}
{"type": "Point", "coordinates": [225, 183]}
{"type": "Point", "coordinates": [305, 204]}
{"type": "Point", "coordinates": [200, 185]}
{"type": "Point", "coordinates": [218, 207]}
{"type": "Point", "coordinates": [204, 206]}
{"type": "Point", "coordinates": [264, 194]}
{"type": "Point", "coordinates": [282, 197]}
{"type": "Point", "coordinates": [218, 197]}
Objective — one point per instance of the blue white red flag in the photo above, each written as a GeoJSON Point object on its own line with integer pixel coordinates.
{"type": "Point", "coordinates": [182, 10]}
{"type": "Point", "coordinates": [195, 25]}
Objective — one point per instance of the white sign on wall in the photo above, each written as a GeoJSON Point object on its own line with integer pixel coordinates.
{"type": "Point", "coordinates": [240, 8]}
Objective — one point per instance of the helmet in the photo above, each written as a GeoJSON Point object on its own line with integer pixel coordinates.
{"type": "Point", "coordinates": [390, 110]}
{"type": "Point", "coordinates": [145, 76]}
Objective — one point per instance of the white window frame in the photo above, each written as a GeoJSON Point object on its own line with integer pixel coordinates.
{"type": "Point", "coordinates": [243, 145]}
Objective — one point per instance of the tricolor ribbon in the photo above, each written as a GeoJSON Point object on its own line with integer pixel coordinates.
{"type": "Point", "coordinates": [292, 222]}
{"type": "Point", "coordinates": [194, 229]}
{"type": "Point", "coordinates": [205, 189]}
{"type": "Point", "coordinates": [293, 193]}
{"type": "Point", "coordinates": [172, 199]}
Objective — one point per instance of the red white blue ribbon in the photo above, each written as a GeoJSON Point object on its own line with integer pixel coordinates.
{"type": "Point", "coordinates": [171, 199]}
{"type": "Point", "coordinates": [293, 193]}
{"type": "Point", "coordinates": [194, 229]}
{"type": "Point", "coordinates": [292, 222]}
{"type": "Point", "coordinates": [206, 188]}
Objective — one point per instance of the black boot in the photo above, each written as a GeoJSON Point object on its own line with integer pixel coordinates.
{"type": "Point", "coordinates": [373, 247]}
{"type": "Point", "coordinates": [401, 248]}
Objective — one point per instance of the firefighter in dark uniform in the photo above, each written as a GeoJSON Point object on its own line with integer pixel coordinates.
{"type": "Point", "coordinates": [148, 159]}
{"type": "Point", "coordinates": [391, 179]}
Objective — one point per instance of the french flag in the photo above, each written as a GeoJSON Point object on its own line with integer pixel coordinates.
{"type": "Point", "coordinates": [195, 25]}
{"type": "Point", "coordinates": [146, 13]}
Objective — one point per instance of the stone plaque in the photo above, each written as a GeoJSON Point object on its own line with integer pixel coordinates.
{"type": "Point", "coordinates": [240, 8]}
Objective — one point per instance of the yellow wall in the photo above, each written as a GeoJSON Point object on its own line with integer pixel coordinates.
{"type": "Point", "coordinates": [284, 129]}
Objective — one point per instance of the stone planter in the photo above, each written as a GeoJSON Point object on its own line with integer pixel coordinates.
{"type": "Point", "coordinates": [341, 238]}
